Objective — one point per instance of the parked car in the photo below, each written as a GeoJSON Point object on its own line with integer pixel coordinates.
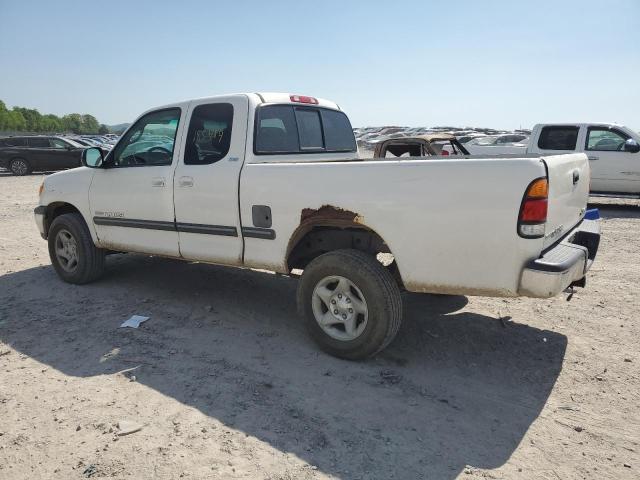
{"type": "Point", "coordinates": [22, 155]}
{"type": "Point", "coordinates": [498, 144]}
{"type": "Point", "coordinates": [272, 181]}
{"type": "Point", "coordinates": [89, 142]}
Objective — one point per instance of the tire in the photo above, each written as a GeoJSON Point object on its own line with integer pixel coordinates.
{"type": "Point", "coordinates": [69, 238]}
{"type": "Point", "coordinates": [361, 335]}
{"type": "Point", "coordinates": [19, 167]}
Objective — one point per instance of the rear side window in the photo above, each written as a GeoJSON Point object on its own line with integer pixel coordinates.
{"type": "Point", "coordinates": [293, 129]}
{"type": "Point", "coordinates": [209, 136]}
{"type": "Point", "coordinates": [39, 142]}
{"type": "Point", "coordinates": [558, 138]}
{"type": "Point", "coordinates": [15, 142]}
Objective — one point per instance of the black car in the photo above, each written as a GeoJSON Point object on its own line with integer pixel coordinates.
{"type": "Point", "coordinates": [22, 155]}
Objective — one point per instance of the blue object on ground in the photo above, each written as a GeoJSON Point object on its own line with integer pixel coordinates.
{"type": "Point", "coordinates": [592, 214]}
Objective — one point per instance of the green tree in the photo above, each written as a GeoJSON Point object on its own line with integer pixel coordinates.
{"type": "Point", "coordinates": [89, 124]}
{"type": "Point", "coordinates": [16, 121]}
{"type": "Point", "coordinates": [103, 129]}
{"type": "Point", "coordinates": [32, 118]}
{"type": "Point", "coordinates": [72, 123]}
{"type": "Point", "coordinates": [52, 124]}
{"type": "Point", "coordinates": [22, 119]}
{"type": "Point", "coordinates": [4, 116]}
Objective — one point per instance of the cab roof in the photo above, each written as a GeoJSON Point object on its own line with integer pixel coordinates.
{"type": "Point", "coordinates": [277, 97]}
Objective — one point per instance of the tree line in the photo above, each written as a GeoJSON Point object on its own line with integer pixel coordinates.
{"type": "Point", "coordinates": [20, 119]}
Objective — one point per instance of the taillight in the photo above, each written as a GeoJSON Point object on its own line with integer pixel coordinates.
{"type": "Point", "coordinates": [444, 153]}
{"type": "Point", "coordinates": [303, 99]}
{"type": "Point", "coordinates": [532, 218]}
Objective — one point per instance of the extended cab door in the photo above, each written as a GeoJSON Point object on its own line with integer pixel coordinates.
{"type": "Point", "coordinates": [612, 168]}
{"type": "Point", "coordinates": [207, 177]}
{"type": "Point", "coordinates": [131, 200]}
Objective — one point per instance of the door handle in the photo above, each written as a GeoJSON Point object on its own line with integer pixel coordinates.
{"type": "Point", "coordinates": [185, 181]}
{"type": "Point", "coordinates": [593, 159]}
{"type": "Point", "coordinates": [576, 176]}
{"type": "Point", "coordinates": [157, 182]}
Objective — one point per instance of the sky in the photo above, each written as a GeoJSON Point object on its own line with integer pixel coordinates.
{"type": "Point", "coordinates": [501, 64]}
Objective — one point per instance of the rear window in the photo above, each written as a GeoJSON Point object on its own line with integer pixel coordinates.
{"type": "Point", "coordinates": [558, 138]}
{"type": "Point", "coordinates": [13, 142]}
{"type": "Point", "coordinates": [291, 129]}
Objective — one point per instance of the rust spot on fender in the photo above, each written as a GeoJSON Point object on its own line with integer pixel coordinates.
{"type": "Point", "coordinates": [331, 213]}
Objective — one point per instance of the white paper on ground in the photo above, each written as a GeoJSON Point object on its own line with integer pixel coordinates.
{"type": "Point", "coordinates": [134, 321]}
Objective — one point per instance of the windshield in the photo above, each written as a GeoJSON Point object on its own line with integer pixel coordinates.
{"type": "Point", "coordinates": [73, 143]}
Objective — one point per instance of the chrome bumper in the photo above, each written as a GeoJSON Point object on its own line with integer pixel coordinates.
{"type": "Point", "coordinates": [39, 214]}
{"type": "Point", "coordinates": [563, 265]}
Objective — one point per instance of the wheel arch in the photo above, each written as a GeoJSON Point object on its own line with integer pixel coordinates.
{"type": "Point", "coordinates": [329, 228]}
{"type": "Point", "coordinates": [54, 210]}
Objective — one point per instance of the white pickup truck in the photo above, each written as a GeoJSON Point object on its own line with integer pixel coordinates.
{"type": "Point", "coordinates": [273, 181]}
{"type": "Point", "coordinates": [613, 151]}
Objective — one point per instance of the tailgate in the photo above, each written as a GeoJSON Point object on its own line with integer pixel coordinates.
{"type": "Point", "coordinates": [569, 179]}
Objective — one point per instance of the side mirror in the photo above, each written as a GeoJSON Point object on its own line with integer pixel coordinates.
{"type": "Point", "coordinates": [92, 157]}
{"type": "Point", "coordinates": [631, 146]}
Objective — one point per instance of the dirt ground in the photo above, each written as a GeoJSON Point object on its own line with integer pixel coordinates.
{"type": "Point", "coordinates": [225, 383]}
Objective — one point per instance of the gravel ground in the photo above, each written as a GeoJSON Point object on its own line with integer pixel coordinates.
{"type": "Point", "coordinates": [224, 383]}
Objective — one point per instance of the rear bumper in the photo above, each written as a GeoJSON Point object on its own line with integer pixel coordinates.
{"type": "Point", "coordinates": [39, 214]}
{"type": "Point", "coordinates": [563, 265]}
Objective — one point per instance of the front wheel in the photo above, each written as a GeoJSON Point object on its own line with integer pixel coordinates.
{"type": "Point", "coordinates": [350, 303]}
{"type": "Point", "coordinates": [72, 251]}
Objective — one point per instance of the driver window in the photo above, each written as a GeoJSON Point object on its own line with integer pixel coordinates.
{"type": "Point", "coordinates": [150, 141]}
{"type": "Point", "coordinates": [603, 139]}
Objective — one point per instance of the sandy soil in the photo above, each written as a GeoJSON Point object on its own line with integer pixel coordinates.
{"type": "Point", "coordinates": [225, 383]}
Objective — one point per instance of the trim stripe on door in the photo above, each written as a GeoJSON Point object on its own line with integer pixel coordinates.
{"type": "Point", "coordinates": [131, 223]}
{"type": "Point", "coordinates": [229, 231]}
{"type": "Point", "coordinates": [208, 229]}
{"type": "Point", "coordinates": [264, 233]}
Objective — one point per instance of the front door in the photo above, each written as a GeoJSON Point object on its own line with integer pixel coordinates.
{"type": "Point", "coordinates": [132, 199]}
{"type": "Point", "coordinates": [206, 180]}
{"type": "Point", "coordinates": [612, 168]}
{"type": "Point", "coordinates": [63, 154]}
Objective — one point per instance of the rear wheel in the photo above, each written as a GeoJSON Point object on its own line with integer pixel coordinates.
{"type": "Point", "coordinates": [350, 303]}
{"type": "Point", "coordinates": [72, 251]}
{"type": "Point", "coordinates": [19, 167]}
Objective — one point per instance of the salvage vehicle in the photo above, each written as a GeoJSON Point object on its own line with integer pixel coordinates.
{"type": "Point", "coordinates": [420, 146]}
{"type": "Point", "coordinates": [23, 155]}
{"type": "Point", "coordinates": [273, 181]}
